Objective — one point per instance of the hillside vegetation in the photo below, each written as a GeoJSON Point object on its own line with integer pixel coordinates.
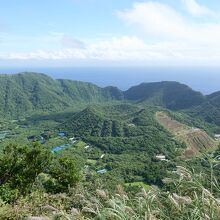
{"type": "Point", "coordinates": [186, 194]}
{"type": "Point", "coordinates": [129, 137]}
{"type": "Point", "coordinates": [73, 150]}
{"type": "Point", "coordinates": [28, 93]}
{"type": "Point", "coordinates": [209, 110]}
{"type": "Point", "coordinates": [171, 95]}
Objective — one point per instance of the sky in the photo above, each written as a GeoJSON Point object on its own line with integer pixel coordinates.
{"type": "Point", "coordinates": [109, 32]}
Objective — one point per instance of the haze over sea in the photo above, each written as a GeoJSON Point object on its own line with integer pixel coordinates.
{"type": "Point", "coordinates": [203, 79]}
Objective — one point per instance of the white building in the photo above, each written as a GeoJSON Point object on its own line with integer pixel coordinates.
{"type": "Point", "coordinates": [87, 147]}
{"type": "Point", "coordinates": [72, 140]}
{"type": "Point", "coordinates": [217, 136]}
{"type": "Point", "coordinates": [161, 157]}
{"type": "Point", "coordinates": [102, 156]}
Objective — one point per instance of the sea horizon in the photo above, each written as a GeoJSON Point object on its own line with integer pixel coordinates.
{"type": "Point", "coordinates": [203, 79]}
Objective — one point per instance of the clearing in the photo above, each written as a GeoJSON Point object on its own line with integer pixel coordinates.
{"type": "Point", "coordinates": [195, 139]}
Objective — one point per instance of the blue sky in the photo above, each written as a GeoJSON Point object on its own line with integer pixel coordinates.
{"type": "Point", "coordinates": [109, 32]}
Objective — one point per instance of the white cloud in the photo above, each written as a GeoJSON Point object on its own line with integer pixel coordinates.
{"type": "Point", "coordinates": [130, 50]}
{"type": "Point", "coordinates": [155, 18]}
{"type": "Point", "coordinates": [160, 21]}
{"type": "Point", "coordinates": [169, 38]}
{"type": "Point", "coordinates": [113, 49]}
{"type": "Point", "coordinates": [196, 9]}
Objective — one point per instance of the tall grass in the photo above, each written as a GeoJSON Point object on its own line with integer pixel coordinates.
{"type": "Point", "coordinates": [191, 196]}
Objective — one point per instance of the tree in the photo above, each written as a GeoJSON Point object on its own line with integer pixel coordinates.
{"type": "Point", "coordinates": [64, 174]}
{"type": "Point", "coordinates": [19, 167]}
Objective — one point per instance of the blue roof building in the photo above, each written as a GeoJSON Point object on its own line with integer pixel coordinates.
{"type": "Point", "coordinates": [102, 171]}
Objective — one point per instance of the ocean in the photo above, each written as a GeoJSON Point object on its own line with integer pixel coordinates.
{"type": "Point", "coordinates": [203, 79]}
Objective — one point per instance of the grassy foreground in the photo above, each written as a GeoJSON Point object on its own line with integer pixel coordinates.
{"type": "Point", "coordinates": [187, 196]}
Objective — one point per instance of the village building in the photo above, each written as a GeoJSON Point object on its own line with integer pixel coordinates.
{"type": "Point", "coordinates": [217, 137]}
{"type": "Point", "coordinates": [87, 147]}
{"type": "Point", "coordinates": [72, 140]}
{"type": "Point", "coordinates": [102, 156]}
{"type": "Point", "coordinates": [161, 157]}
{"type": "Point", "coordinates": [62, 134]}
{"type": "Point", "coordinates": [102, 171]}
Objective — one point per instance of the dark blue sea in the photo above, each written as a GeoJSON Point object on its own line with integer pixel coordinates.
{"type": "Point", "coordinates": [203, 79]}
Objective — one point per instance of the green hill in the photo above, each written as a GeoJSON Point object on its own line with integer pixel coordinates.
{"type": "Point", "coordinates": [171, 95]}
{"type": "Point", "coordinates": [28, 93]}
{"type": "Point", "coordinates": [130, 137]}
{"type": "Point", "coordinates": [87, 92]}
{"type": "Point", "coordinates": [209, 110]}
{"type": "Point", "coordinates": [86, 122]}
{"type": "Point", "coordinates": [92, 121]}
{"type": "Point", "coordinates": [96, 125]}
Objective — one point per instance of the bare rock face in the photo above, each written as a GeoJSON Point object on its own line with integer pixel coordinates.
{"type": "Point", "coordinates": [195, 139]}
